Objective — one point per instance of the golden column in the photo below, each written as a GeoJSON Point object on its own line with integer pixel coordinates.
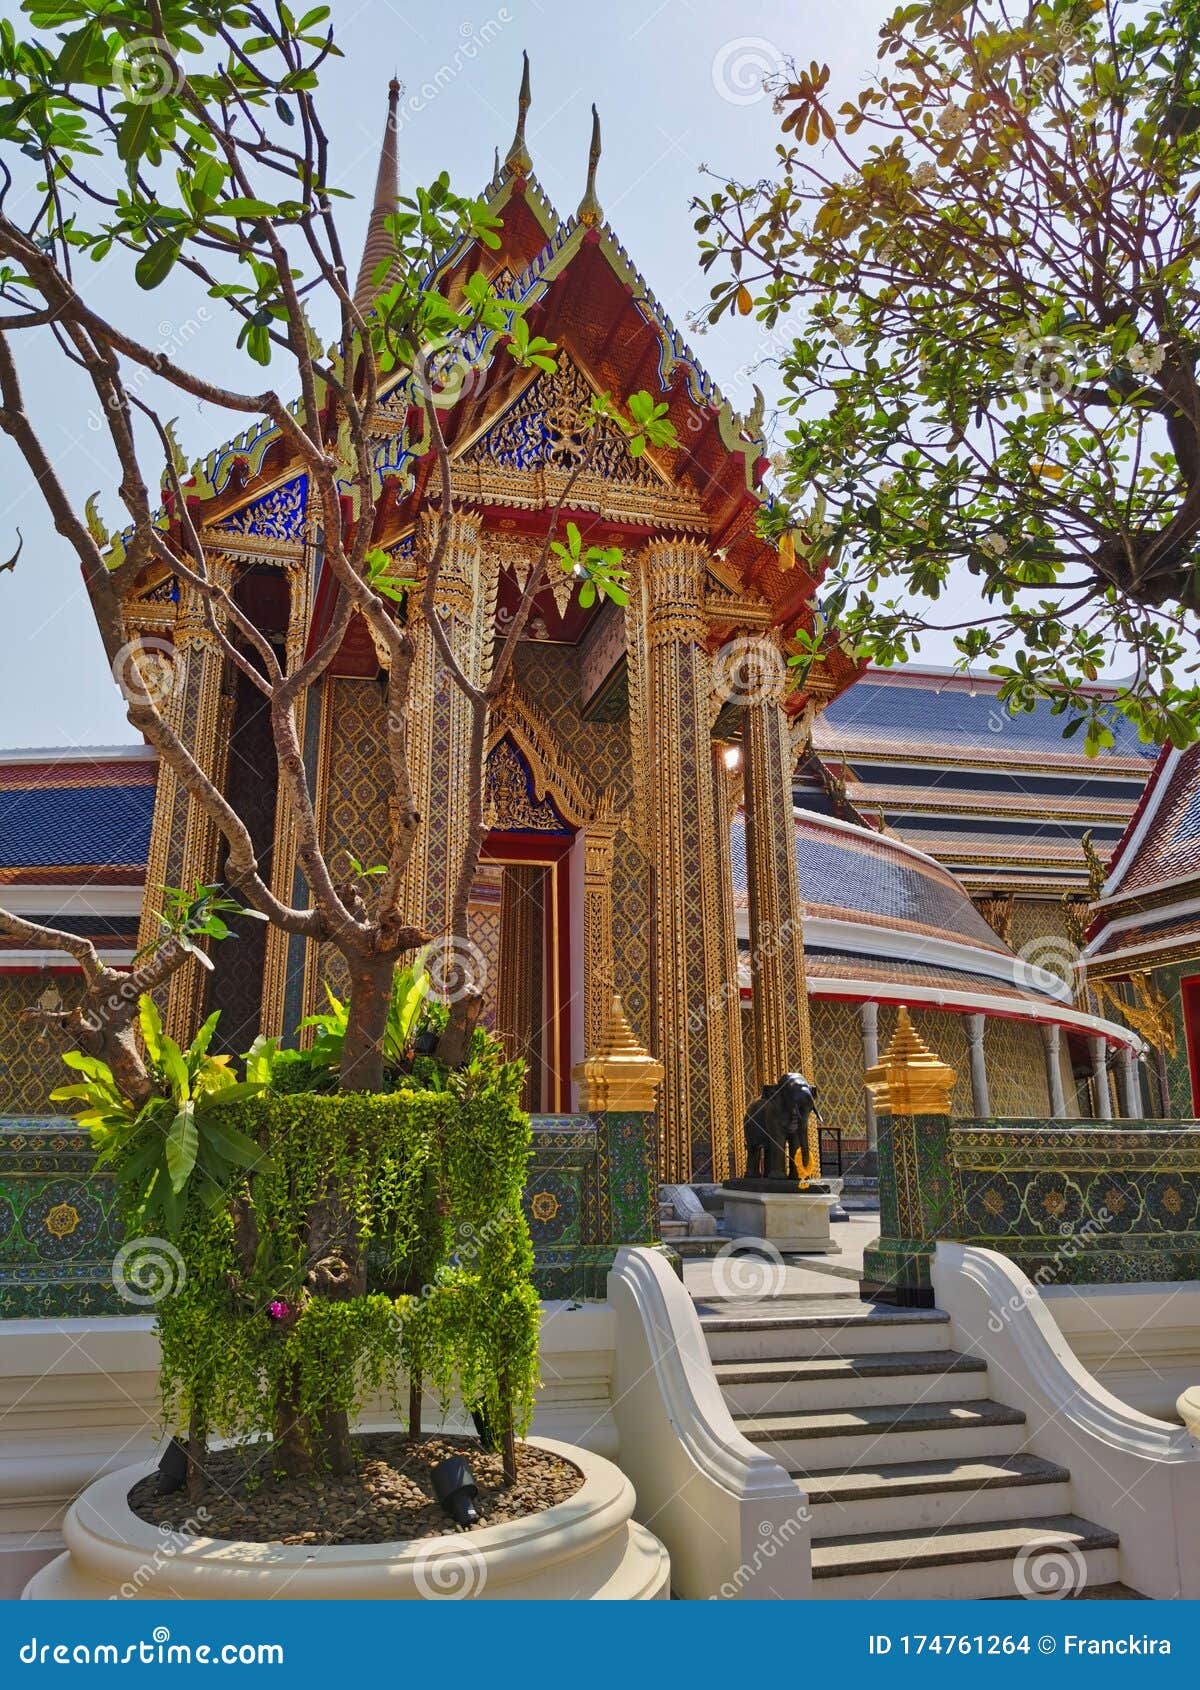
{"type": "Point", "coordinates": [283, 861]}
{"type": "Point", "coordinates": [689, 962]}
{"type": "Point", "coordinates": [439, 716]}
{"type": "Point", "coordinates": [599, 965]}
{"type": "Point", "coordinates": [782, 1035]}
{"type": "Point", "coordinates": [183, 842]}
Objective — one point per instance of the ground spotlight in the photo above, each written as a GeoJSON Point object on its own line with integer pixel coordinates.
{"type": "Point", "coordinates": [456, 1490]}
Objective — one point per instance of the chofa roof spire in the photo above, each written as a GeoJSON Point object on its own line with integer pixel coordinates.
{"type": "Point", "coordinates": [518, 162]}
{"type": "Point", "coordinates": [379, 245]}
{"type": "Point", "coordinates": [589, 211]}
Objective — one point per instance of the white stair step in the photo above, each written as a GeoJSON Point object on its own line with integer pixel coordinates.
{"type": "Point", "coordinates": [969, 1562]}
{"type": "Point", "coordinates": [892, 1432]}
{"type": "Point", "coordinates": [768, 1330]}
{"type": "Point", "coordinates": [830, 1382]}
{"type": "Point", "coordinates": [913, 1495]}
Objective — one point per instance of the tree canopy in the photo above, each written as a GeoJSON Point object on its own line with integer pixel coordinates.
{"type": "Point", "coordinates": [990, 257]}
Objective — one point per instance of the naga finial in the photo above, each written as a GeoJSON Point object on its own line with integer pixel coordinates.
{"type": "Point", "coordinates": [518, 162]}
{"type": "Point", "coordinates": [589, 212]}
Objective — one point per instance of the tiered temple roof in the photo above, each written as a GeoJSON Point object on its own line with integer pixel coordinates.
{"type": "Point", "coordinates": [74, 832]}
{"type": "Point", "coordinates": [1148, 912]}
{"type": "Point", "coordinates": [998, 796]}
{"type": "Point", "coordinates": [580, 288]}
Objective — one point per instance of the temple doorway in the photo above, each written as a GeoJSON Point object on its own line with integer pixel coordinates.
{"type": "Point", "coordinates": [521, 924]}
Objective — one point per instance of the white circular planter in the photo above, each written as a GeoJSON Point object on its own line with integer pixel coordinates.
{"type": "Point", "coordinates": [586, 1547]}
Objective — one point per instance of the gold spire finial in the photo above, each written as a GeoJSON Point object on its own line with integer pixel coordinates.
{"type": "Point", "coordinates": [379, 244]}
{"type": "Point", "coordinates": [518, 162]}
{"type": "Point", "coordinates": [910, 1079]}
{"type": "Point", "coordinates": [589, 212]}
{"type": "Point", "coordinates": [620, 1076]}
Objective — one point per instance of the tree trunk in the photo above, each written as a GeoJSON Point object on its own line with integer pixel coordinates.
{"type": "Point", "coordinates": [508, 1438]}
{"type": "Point", "coordinates": [292, 1447]}
{"type": "Point", "coordinates": [370, 997]}
{"type": "Point", "coordinates": [118, 1047]}
{"type": "Point", "coordinates": [455, 1043]}
{"type": "Point", "coordinates": [197, 1456]}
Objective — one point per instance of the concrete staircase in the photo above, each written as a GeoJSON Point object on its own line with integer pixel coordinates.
{"type": "Point", "coordinates": [919, 1483]}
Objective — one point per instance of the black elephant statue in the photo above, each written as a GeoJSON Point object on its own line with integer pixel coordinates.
{"type": "Point", "coordinates": [776, 1126]}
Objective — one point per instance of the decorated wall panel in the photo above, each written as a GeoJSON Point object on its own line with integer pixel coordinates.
{"type": "Point", "coordinates": [356, 793]}
{"type": "Point", "coordinates": [1081, 1204]}
{"type": "Point", "coordinates": [30, 1065]}
{"type": "Point", "coordinates": [1039, 934]}
{"type": "Point", "coordinates": [58, 1227]}
{"type": "Point", "coordinates": [1016, 1066]}
{"type": "Point", "coordinates": [838, 1067]}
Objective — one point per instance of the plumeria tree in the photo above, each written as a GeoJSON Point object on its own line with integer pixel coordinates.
{"type": "Point", "coordinates": [205, 116]}
{"type": "Point", "coordinates": [982, 271]}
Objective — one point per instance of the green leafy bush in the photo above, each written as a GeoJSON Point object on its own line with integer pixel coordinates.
{"type": "Point", "coordinates": [331, 1243]}
{"type": "Point", "coordinates": [184, 1132]}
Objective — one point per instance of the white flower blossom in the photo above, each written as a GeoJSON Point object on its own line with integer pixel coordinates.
{"type": "Point", "coordinates": [994, 544]}
{"type": "Point", "coordinates": [1145, 360]}
{"type": "Point", "coordinates": [841, 332]}
{"type": "Point", "coordinates": [925, 175]}
{"type": "Point", "coordinates": [952, 119]}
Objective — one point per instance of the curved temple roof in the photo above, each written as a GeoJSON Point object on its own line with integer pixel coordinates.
{"type": "Point", "coordinates": [927, 713]}
{"type": "Point", "coordinates": [883, 920]}
{"type": "Point", "coordinates": [76, 818]}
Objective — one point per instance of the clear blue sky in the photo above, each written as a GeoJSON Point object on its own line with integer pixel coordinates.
{"type": "Point", "coordinates": [676, 84]}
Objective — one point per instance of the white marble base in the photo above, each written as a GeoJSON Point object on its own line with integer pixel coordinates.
{"type": "Point", "coordinates": [589, 1546]}
{"type": "Point", "coordinates": [794, 1222]}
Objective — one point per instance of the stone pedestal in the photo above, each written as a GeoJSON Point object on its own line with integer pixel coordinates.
{"type": "Point", "coordinates": [795, 1222]}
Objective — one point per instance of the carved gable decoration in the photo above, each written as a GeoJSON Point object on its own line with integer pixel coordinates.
{"type": "Point", "coordinates": [542, 430]}
{"type": "Point", "coordinates": [271, 526]}
{"type": "Point", "coordinates": [510, 802]}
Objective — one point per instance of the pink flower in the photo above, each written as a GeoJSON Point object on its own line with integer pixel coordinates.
{"type": "Point", "coordinates": [278, 1311]}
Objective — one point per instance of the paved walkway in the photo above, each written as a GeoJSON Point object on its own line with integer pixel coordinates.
{"type": "Point", "coordinates": [799, 1276]}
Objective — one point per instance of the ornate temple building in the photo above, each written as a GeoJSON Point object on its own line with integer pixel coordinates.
{"type": "Point", "coordinates": [644, 835]}
{"type": "Point", "coordinates": [1142, 961]}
